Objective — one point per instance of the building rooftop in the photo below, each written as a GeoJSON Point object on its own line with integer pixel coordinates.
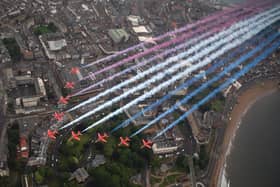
{"type": "Point", "coordinates": [97, 161]}
{"type": "Point", "coordinates": [80, 175]}
{"type": "Point", "coordinates": [57, 44]}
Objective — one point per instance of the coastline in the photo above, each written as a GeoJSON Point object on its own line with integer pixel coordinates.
{"type": "Point", "coordinates": [245, 99]}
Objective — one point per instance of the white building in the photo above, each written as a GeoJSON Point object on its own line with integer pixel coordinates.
{"type": "Point", "coordinates": [142, 29]}
{"type": "Point", "coordinates": [57, 45]}
{"type": "Point", "coordinates": [164, 147]}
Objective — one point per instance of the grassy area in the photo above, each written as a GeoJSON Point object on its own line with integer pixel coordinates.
{"type": "Point", "coordinates": [44, 29]}
{"type": "Point", "coordinates": [169, 180]}
{"type": "Point", "coordinates": [217, 105]}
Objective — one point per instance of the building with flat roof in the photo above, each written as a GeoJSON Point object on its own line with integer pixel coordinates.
{"type": "Point", "coordinates": [164, 147]}
{"type": "Point", "coordinates": [57, 45]}
{"type": "Point", "coordinates": [80, 175]}
{"type": "Point", "coordinates": [97, 161]}
{"type": "Point", "coordinates": [27, 91]}
{"type": "Point", "coordinates": [142, 29]}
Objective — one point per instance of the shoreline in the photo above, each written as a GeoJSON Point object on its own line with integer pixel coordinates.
{"type": "Point", "coordinates": [245, 99]}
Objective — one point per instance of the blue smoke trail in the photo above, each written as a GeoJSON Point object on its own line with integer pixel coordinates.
{"type": "Point", "coordinates": [211, 81]}
{"type": "Point", "coordinates": [189, 82]}
{"type": "Point", "coordinates": [207, 60]}
{"type": "Point", "coordinates": [261, 57]}
{"type": "Point", "coordinates": [231, 32]}
{"type": "Point", "coordinates": [234, 40]}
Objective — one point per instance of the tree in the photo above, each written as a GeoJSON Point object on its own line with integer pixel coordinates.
{"type": "Point", "coordinates": [102, 178]}
{"type": "Point", "coordinates": [38, 177]}
{"type": "Point", "coordinates": [13, 137]}
{"type": "Point", "coordinates": [44, 29]}
{"type": "Point", "coordinates": [13, 48]}
{"type": "Point", "coordinates": [52, 27]}
{"type": "Point", "coordinates": [109, 147]}
{"type": "Point", "coordinates": [182, 162]}
{"type": "Point", "coordinates": [203, 158]}
{"type": "Point", "coordinates": [155, 163]}
{"type": "Point", "coordinates": [217, 105]}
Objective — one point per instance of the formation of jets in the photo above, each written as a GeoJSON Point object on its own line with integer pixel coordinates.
{"type": "Point", "coordinates": [101, 138]}
{"type": "Point", "coordinates": [124, 141]}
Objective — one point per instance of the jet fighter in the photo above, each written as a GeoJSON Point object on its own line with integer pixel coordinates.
{"type": "Point", "coordinates": [63, 100]}
{"type": "Point", "coordinates": [147, 144]}
{"type": "Point", "coordinates": [102, 138]}
{"type": "Point", "coordinates": [75, 70]}
{"type": "Point", "coordinates": [75, 136]}
{"type": "Point", "coordinates": [58, 116]}
{"type": "Point", "coordinates": [124, 141]}
{"type": "Point", "coordinates": [51, 134]}
{"type": "Point", "coordinates": [69, 85]}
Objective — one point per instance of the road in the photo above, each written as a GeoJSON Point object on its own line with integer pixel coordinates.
{"type": "Point", "coordinates": [192, 171]}
{"type": "Point", "coordinates": [147, 176]}
{"type": "Point", "coordinates": [3, 135]}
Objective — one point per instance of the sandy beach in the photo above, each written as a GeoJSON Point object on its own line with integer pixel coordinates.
{"type": "Point", "coordinates": [245, 100]}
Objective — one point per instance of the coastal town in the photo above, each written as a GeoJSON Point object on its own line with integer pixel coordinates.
{"type": "Point", "coordinates": [121, 93]}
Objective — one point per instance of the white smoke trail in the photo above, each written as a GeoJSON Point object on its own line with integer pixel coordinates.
{"type": "Point", "coordinates": [220, 52]}
{"type": "Point", "coordinates": [175, 59]}
{"type": "Point", "coordinates": [205, 51]}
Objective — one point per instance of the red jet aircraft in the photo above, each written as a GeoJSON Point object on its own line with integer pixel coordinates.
{"type": "Point", "coordinates": [124, 141]}
{"type": "Point", "coordinates": [102, 138]}
{"type": "Point", "coordinates": [69, 85]}
{"type": "Point", "coordinates": [75, 136]}
{"type": "Point", "coordinates": [147, 144]}
{"type": "Point", "coordinates": [51, 134]}
{"type": "Point", "coordinates": [58, 116]}
{"type": "Point", "coordinates": [63, 100]}
{"type": "Point", "coordinates": [75, 70]}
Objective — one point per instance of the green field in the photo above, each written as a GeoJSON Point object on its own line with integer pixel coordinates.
{"type": "Point", "coordinates": [44, 29]}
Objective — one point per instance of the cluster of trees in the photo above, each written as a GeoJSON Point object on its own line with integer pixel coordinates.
{"type": "Point", "coordinates": [13, 48]}
{"type": "Point", "coordinates": [121, 162]}
{"type": "Point", "coordinates": [215, 104]}
{"type": "Point", "coordinates": [111, 174]}
{"type": "Point", "coordinates": [47, 175]}
{"type": "Point", "coordinates": [182, 163]}
{"type": "Point", "coordinates": [44, 29]}
{"type": "Point", "coordinates": [16, 166]}
{"type": "Point", "coordinates": [72, 153]}
{"type": "Point", "coordinates": [13, 137]}
{"type": "Point", "coordinates": [203, 160]}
